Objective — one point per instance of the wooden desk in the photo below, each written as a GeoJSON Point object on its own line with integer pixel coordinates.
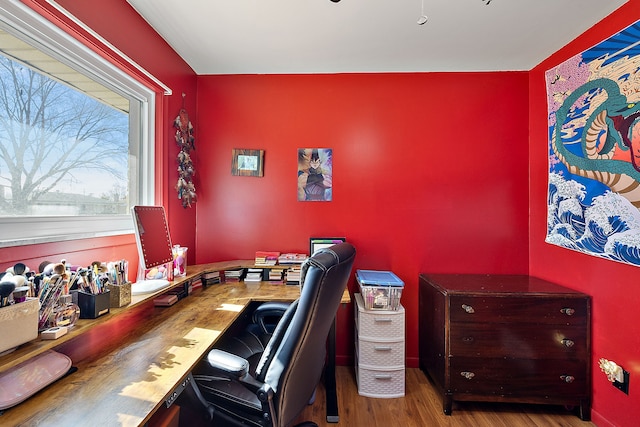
{"type": "Point", "coordinates": [125, 385]}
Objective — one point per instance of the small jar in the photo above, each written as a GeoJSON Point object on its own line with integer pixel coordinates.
{"type": "Point", "coordinates": [20, 294]}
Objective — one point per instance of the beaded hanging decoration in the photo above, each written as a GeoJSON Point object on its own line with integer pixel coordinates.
{"type": "Point", "coordinates": [185, 140]}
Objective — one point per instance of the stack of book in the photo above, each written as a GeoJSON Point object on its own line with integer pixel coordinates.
{"type": "Point", "coordinates": [253, 275]}
{"type": "Point", "coordinates": [195, 285]}
{"type": "Point", "coordinates": [267, 257]}
{"type": "Point", "coordinates": [233, 275]}
{"type": "Point", "coordinates": [292, 258]}
{"type": "Point", "coordinates": [293, 275]}
{"type": "Point", "coordinates": [211, 278]}
{"type": "Point", "coordinates": [276, 275]}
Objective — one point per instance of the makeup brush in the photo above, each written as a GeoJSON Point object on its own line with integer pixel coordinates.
{"type": "Point", "coordinates": [6, 289]}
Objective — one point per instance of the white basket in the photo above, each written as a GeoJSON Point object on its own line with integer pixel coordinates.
{"type": "Point", "coordinates": [19, 324]}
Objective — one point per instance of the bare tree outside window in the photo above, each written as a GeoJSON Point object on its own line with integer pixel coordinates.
{"type": "Point", "coordinates": [62, 152]}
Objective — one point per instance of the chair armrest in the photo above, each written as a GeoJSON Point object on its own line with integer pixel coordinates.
{"type": "Point", "coordinates": [225, 366]}
{"type": "Point", "coordinates": [227, 363]}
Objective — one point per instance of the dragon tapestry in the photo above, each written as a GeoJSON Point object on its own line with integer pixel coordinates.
{"type": "Point", "coordinates": [594, 150]}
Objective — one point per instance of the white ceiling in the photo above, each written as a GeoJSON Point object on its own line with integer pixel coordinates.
{"type": "Point", "coordinates": [319, 36]}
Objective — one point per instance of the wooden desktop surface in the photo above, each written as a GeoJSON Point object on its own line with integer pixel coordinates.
{"type": "Point", "coordinates": [125, 385]}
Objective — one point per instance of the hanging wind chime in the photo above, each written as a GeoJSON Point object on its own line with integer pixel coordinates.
{"type": "Point", "coordinates": [186, 142]}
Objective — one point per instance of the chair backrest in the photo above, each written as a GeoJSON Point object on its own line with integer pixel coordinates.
{"type": "Point", "coordinates": [293, 361]}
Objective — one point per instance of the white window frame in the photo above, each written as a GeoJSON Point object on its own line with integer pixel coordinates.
{"type": "Point", "coordinates": [24, 23]}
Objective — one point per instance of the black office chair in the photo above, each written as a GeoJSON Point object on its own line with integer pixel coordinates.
{"type": "Point", "coordinates": [251, 342]}
{"type": "Point", "coordinates": [292, 362]}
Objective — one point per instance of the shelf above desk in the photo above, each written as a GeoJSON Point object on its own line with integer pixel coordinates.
{"type": "Point", "coordinates": [33, 348]}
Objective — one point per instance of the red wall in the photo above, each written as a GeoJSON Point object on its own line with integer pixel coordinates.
{"type": "Point", "coordinates": [121, 26]}
{"type": "Point", "coordinates": [613, 286]}
{"type": "Point", "coordinates": [430, 173]}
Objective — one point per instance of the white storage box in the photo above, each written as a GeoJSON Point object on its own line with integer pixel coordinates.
{"type": "Point", "coordinates": [19, 323]}
{"type": "Point", "coordinates": [381, 290]}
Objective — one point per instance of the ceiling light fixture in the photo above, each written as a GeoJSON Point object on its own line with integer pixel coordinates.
{"type": "Point", "coordinates": [423, 18]}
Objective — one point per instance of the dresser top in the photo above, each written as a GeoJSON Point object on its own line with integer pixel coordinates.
{"type": "Point", "coordinates": [495, 283]}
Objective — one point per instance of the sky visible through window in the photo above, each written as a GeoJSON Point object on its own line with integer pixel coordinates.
{"type": "Point", "coordinates": [62, 152]}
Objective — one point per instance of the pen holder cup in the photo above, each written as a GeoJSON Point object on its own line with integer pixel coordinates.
{"type": "Point", "coordinates": [120, 295]}
{"type": "Point", "coordinates": [93, 305]}
{"type": "Point", "coordinates": [179, 261]}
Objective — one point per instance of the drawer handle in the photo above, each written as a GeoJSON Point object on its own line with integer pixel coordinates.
{"type": "Point", "coordinates": [467, 375]}
{"type": "Point", "coordinates": [382, 377]}
{"type": "Point", "coordinates": [567, 378]}
{"type": "Point", "coordinates": [568, 343]}
{"type": "Point", "coordinates": [382, 320]}
{"type": "Point", "coordinates": [468, 308]}
{"type": "Point", "coordinates": [467, 339]}
{"type": "Point", "coordinates": [568, 311]}
{"type": "Point", "coordinates": [382, 348]}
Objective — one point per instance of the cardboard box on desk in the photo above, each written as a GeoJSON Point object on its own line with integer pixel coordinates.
{"type": "Point", "coordinates": [19, 323]}
{"type": "Point", "coordinates": [92, 306]}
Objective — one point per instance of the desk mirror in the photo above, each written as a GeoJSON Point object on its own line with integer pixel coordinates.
{"type": "Point", "coordinates": [154, 248]}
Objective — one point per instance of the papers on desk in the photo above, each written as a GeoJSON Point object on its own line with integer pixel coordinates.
{"type": "Point", "coordinates": [148, 286]}
{"type": "Point", "coordinates": [253, 275]}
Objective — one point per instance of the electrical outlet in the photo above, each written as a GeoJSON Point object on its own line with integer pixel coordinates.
{"type": "Point", "coordinates": [623, 386]}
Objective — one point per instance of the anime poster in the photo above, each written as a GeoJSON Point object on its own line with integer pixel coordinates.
{"type": "Point", "coordinates": [594, 150]}
{"type": "Point", "coordinates": [314, 174]}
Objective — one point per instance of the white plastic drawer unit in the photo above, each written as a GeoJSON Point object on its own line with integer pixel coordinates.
{"type": "Point", "coordinates": [379, 351]}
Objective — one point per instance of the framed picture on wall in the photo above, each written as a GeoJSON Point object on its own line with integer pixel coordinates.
{"type": "Point", "coordinates": [315, 174]}
{"type": "Point", "coordinates": [246, 162]}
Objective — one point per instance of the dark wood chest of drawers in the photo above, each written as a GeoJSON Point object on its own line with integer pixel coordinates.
{"type": "Point", "coordinates": [505, 338]}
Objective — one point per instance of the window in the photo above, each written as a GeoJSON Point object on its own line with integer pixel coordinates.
{"type": "Point", "coordinates": [76, 136]}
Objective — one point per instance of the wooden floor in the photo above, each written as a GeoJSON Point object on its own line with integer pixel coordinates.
{"type": "Point", "coordinates": [422, 406]}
